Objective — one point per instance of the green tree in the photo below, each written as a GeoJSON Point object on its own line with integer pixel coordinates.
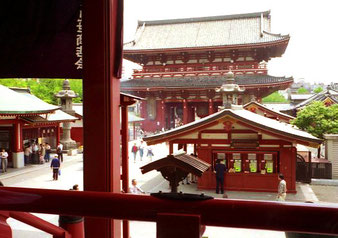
{"type": "Point", "coordinates": [274, 97]}
{"type": "Point", "coordinates": [317, 119]}
{"type": "Point", "coordinates": [45, 88]}
{"type": "Point", "coordinates": [302, 91]}
{"type": "Point", "coordinates": [318, 90]}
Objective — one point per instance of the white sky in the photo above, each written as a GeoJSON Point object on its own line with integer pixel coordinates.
{"type": "Point", "coordinates": [313, 26]}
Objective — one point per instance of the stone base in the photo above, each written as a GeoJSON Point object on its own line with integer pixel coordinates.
{"type": "Point", "coordinates": [72, 152]}
{"type": "Point", "coordinates": [69, 144]}
{"type": "Point", "coordinates": [18, 159]}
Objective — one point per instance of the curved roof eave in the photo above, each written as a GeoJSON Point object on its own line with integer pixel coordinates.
{"type": "Point", "coordinates": [285, 40]}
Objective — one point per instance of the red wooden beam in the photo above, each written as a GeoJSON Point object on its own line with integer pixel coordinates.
{"type": "Point", "coordinates": [265, 215]}
{"type": "Point", "coordinates": [102, 57]}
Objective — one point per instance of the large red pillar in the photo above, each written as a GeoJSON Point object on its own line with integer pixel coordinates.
{"type": "Point", "coordinates": [18, 141]}
{"type": "Point", "coordinates": [185, 111]}
{"type": "Point", "coordinates": [102, 57]}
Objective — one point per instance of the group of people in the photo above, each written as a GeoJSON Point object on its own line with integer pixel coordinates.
{"type": "Point", "coordinates": [141, 150]}
{"type": "Point", "coordinates": [37, 153]}
{"type": "Point", "coordinates": [4, 160]}
{"type": "Point", "coordinates": [220, 169]}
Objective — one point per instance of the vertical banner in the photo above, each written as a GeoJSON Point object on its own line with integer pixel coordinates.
{"type": "Point", "coordinates": [41, 39]}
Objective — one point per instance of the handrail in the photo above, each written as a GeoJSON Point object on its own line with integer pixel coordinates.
{"type": "Point", "coordinates": [266, 215]}
{"type": "Point", "coordinates": [39, 223]}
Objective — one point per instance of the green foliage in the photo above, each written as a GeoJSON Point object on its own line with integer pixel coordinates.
{"type": "Point", "coordinates": [302, 91]}
{"type": "Point", "coordinates": [317, 119]}
{"type": "Point", "coordinates": [274, 97]}
{"type": "Point", "coordinates": [318, 90]}
{"type": "Point", "coordinates": [45, 88]}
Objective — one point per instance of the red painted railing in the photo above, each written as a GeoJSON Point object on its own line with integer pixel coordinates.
{"type": "Point", "coordinates": [294, 217]}
{"type": "Point", "coordinates": [195, 70]}
{"type": "Point", "coordinates": [31, 220]}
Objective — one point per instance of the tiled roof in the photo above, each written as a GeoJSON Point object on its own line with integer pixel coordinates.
{"type": "Point", "coordinates": [202, 81]}
{"type": "Point", "coordinates": [182, 161]}
{"type": "Point", "coordinates": [332, 94]}
{"type": "Point", "coordinates": [255, 120]}
{"type": "Point", "coordinates": [12, 102]}
{"type": "Point", "coordinates": [300, 96]}
{"type": "Point", "coordinates": [57, 116]}
{"type": "Point", "coordinates": [204, 32]}
{"type": "Point", "coordinates": [268, 109]}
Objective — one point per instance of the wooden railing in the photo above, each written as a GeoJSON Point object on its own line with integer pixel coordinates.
{"type": "Point", "coordinates": [172, 71]}
{"type": "Point", "coordinates": [267, 215]}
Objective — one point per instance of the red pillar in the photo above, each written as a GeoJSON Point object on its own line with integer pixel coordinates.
{"type": "Point", "coordinates": [102, 57]}
{"type": "Point", "coordinates": [58, 134]}
{"type": "Point", "coordinates": [18, 141]}
{"type": "Point", "coordinates": [171, 148]}
{"type": "Point", "coordinates": [211, 107]}
{"type": "Point", "coordinates": [5, 229]}
{"type": "Point", "coordinates": [185, 225]}
{"type": "Point", "coordinates": [185, 111]}
{"type": "Point", "coordinates": [125, 165]}
{"type": "Point", "coordinates": [163, 125]}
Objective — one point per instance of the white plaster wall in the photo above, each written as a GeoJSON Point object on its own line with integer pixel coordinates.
{"type": "Point", "coordinates": [18, 160]}
{"type": "Point", "coordinates": [331, 151]}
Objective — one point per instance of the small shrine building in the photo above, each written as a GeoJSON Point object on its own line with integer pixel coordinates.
{"type": "Point", "coordinates": [184, 60]}
{"type": "Point", "coordinates": [24, 118]}
{"type": "Point", "coordinates": [255, 148]}
{"type": "Point", "coordinates": [328, 97]}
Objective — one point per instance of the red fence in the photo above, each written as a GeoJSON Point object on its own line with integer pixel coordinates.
{"type": "Point", "coordinates": [276, 216]}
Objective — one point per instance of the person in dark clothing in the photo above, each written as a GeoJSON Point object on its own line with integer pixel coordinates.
{"type": "Point", "coordinates": [55, 165]}
{"type": "Point", "coordinates": [220, 169]}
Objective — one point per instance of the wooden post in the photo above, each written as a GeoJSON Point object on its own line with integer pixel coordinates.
{"type": "Point", "coordinates": [102, 57]}
{"type": "Point", "coordinates": [178, 225]}
{"type": "Point", "coordinates": [211, 107]}
{"type": "Point", "coordinates": [58, 134]}
{"type": "Point", "coordinates": [185, 111]}
{"type": "Point", "coordinates": [125, 164]}
{"type": "Point", "coordinates": [163, 123]}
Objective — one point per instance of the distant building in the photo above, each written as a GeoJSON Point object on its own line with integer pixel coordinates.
{"type": "Point", "coordinates": [328, 96]}
{"type": "Point", "coordinates": [185, 60]}
{"type": "Point", "coordinates": [26, 119]}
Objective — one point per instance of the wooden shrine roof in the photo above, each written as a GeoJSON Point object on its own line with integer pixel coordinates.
{"type": "Point", "coordinates": [183, 161]}
{"type": "Point", "coordinates": [228, 30]}
{"type": "Point", "coordinates": [329, 93]}
{"type": "Point", "coordinates": [203, 81]}
{"type": "Point", "coordinates": [57, 116]}
{"type": "Point", "coordinates": [256, 122]}
{"type": "Point", "coordinates": [18, 103]}
{"type": "Point", "coordinates": [264, 108]}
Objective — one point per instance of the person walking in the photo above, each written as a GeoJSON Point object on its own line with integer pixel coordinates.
{"type": "Point", "coordinates": [150, 153]}
{"type": "Point", "coordinates": [55, 165]}
{"type": "Point", "coordinates": [220, 169]}
{"type": "Point", "coordinates": [4, 160]}
{"type": "Point", "coordinates": [141, 149]}
{"type": "Point", "coordinates": [134, 150]}
{"type": "Point", "coordinates": [48, 151]}
{"type": "Point", "coordinates": [59, 149]}
{"type": "Point", "coordinates": [281, 188]}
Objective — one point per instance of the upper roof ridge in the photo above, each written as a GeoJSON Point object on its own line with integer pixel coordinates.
{"type": "Point", "coordinates": [203, 19]}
